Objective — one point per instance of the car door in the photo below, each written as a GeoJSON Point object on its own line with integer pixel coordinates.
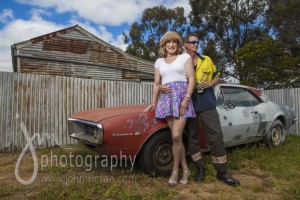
{"type": "Point", "coordinates": [238, 112]}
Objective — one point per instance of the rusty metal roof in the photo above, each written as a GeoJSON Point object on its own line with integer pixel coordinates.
{"type": "Point", "coordinates": [76, 52]}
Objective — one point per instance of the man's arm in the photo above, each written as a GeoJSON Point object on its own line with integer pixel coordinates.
{"type": "Point", "coordinates": [210, 84]}
{"type": "Point", "coordinates": [214, 82]}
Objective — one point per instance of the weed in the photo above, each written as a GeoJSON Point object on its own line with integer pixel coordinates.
{"type": "Point", "coordinates": [260, 170]}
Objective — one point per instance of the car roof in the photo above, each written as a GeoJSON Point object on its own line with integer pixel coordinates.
{"type": "Point", "coordinates": [254, 90]}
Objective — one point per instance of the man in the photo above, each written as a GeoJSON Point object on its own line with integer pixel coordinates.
{"type": "Point", "coordinates": [204, 103]}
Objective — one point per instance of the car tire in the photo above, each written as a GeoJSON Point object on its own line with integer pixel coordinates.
{"type": "Point", "coordinates": [156, 157]}
{"type": "Point", "coordinates": [276, 136]}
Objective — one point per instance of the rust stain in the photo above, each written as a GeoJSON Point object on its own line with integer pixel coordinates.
{"type": "Point", "coordinates": [67, 45]}
{"type": "Point", "coordinates": [48, 36]}
{"type": "Point", "coordinates": [130, 75]}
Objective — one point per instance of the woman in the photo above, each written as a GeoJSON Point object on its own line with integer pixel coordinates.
{"type": "Point", "coordinates": [174, 69]}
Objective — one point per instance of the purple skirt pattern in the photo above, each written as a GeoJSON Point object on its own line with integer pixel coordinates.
{"type": "Point", "coordinates": [169, 104]}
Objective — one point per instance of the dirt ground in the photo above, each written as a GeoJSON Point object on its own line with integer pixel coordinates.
{"type": "Point", "coordinates": [254, 185]}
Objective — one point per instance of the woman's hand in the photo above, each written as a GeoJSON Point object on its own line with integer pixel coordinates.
{"type": "Point", "coordinates": [183, 106]}
{"type": "Point", "coordinates": [165, 90]}
{"type": "Point", "coordinates": [150, 107]}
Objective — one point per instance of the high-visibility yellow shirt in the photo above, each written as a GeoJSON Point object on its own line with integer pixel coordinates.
{"type": "Point", "coordinates": [206, 70]}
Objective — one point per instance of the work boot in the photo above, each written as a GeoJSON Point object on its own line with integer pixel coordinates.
{"type": "Point", "coordinates": [200, 170]}
{"type": "Point", "coordinates": [226, 178]}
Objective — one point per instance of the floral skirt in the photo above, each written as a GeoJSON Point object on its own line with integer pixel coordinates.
{"type": "Point", "coordinates": [169, 104]}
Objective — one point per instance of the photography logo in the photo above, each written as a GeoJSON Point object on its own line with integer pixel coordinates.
{"type": "Point", "coordinates": [29, 145]}
{"type": "Point", "coordinates": [70, 160]}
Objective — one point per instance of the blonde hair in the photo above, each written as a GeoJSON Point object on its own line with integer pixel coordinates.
{"type": "Point", "coordinates": [168, 37]}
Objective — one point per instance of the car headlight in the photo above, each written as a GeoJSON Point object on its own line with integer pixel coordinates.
{"type": "Point", "coordinates": [85, 131]}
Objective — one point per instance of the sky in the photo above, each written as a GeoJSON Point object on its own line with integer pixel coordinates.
{"type": "Point", "coordinates": [21, 20]}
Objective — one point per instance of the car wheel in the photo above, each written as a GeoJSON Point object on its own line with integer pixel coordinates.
{"type": "Point", "coordinates": [156, 156]}
{"type": "Point", "coordinates": [276, 135]}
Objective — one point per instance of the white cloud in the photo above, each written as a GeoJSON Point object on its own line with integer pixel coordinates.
{"type": "Point", "coordinates": [19, 30]}
{"type": "Point", "coordinates": [106, 12]}
{"type": "Point", "coordinates": [101, 33]}
{"type": "Point", "coordinates": [6, 15]}
{"type": "Point", "coordinates": [104, 34]}
{"type": "Point", "coordinates": [37, 13]}
{"type": "Point", "coordinates": [5, 59]}
{"type": "Point", "coordinates": [84, 13]}
{"type": "Point", "coordinates": [119, 43]}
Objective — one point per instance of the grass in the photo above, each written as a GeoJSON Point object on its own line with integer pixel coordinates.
{"type": "Point", "coordinates": [280, 165]}
{"type": "Point", "coordinates": [265, 173]}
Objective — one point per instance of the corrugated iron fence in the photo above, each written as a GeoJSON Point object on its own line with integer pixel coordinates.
{"type": "Point", "coordinates": [40, 104]}
{"type": "Point", "coordinates": [289, 97]}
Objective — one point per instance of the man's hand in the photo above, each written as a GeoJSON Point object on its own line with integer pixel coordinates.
{"type": "Point", "coordinates": [205, 85]}
{"type": "Point", "coordinates": [164, 89]}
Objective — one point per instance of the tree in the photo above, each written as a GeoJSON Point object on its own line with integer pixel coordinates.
{"type": "Point", "coordinates": [267, 64]}
{"type": "Point", "coordinates": [144, 36]}
{"type": "Point", "coordinates": [283, 17]}
{"type": "Point", "coordinates": [230, 24]}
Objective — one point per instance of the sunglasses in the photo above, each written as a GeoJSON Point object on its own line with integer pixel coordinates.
{"type": "Point", "coordinates": [193, 42]}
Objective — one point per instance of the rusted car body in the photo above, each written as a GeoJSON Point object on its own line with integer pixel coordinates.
{"type": "Point", "coordinates": [246, 115]}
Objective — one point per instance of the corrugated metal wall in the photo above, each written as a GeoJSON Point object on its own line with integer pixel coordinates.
{"type": "Point", "coordinates": [289, 97]}
{"type": "Point", "coordinates": [75, 52]}
{"type": "Point", "coordinates": [43, 103]}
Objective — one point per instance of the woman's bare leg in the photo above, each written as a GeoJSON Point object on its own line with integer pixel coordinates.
{"type": "Point", "coordinates": [177, 125]}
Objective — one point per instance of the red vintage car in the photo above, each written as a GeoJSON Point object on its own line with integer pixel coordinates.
{"type": "Point", "coordinates": [246, 115]}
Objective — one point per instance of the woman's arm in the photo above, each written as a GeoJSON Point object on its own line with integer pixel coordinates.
{"type": "Point", "coordinates": [190, 73]}
{"type": "Point", "coordinates": [155, 90]}
{"type": "Point", "coordinates": [189, 70]}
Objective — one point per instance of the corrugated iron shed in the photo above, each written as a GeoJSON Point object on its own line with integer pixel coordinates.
{"type": "Point", "coordinates": [77, 53]}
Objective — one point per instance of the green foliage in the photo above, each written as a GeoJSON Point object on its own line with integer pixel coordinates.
{"type": "Point", "coordinates": [230, 24]}
{"type": "Point", "coordinates": [144, 36]}
{"type": "Point", "coordinates": [235, 34]}
{"type": "Point", "coordinates": [266, 63]}
{"type": "Point", "coordinates": [283, 16]}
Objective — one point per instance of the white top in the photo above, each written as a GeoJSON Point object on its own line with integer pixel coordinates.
{"type": "Point", "coordinates": [174, 71]}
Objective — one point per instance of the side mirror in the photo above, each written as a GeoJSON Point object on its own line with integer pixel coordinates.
{"type": "Point", "coordinates": [230, 105]}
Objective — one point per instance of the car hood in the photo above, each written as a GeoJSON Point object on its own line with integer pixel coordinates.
{"type": "Point", "coordinates": [104, 113]}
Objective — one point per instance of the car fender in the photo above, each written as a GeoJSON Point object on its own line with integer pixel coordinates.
{"type": "Point", "coordinates": [128, 133]}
